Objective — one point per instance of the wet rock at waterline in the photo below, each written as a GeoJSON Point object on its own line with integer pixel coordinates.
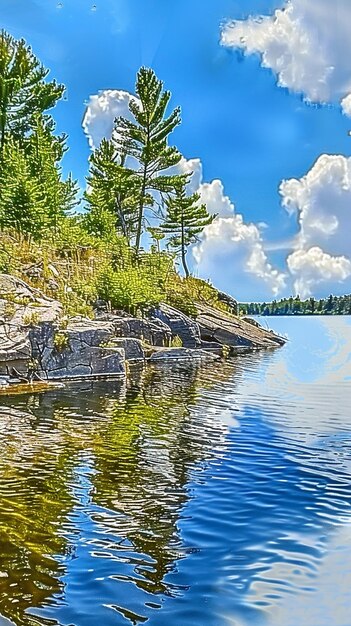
{"type": "Point", "coordinates": [180, 324]}
{"type": "Point", "coordinates": [232, 331]}
{"type": "Point", "coordinates": [181, 354]}
{"type": "Point", "coordinates": [80, 350]}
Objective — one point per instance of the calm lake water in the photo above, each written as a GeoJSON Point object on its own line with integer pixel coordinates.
{"type": "Point", "coordinates": [217, 496]}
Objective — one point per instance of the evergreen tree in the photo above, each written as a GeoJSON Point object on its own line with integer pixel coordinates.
{"type": "Point", "coordinates": [33, 197]}
{"type": "Point", "coordinates": [113, 190]}
{"type": "Point", "coordinates": [146, 140]}
{"type": "Point", "coordinates": [23, 89]}
{"type": "Point", "coordinates": [185, 220]}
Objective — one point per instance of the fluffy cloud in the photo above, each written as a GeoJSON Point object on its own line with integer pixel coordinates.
{"type": "Point", "coordinates": [314, 269]}
{"type": "Point", "coordinates": [231, 252]}
{"type": "Point", "coordinates": [101, 111]}
{"type": "Point", "coordinates": [322, 202]}
{"type": "Point", "coordinates": [306, 43]}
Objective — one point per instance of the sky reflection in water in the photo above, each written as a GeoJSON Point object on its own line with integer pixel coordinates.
{"type": "Point", "coordinates": [192, 497]}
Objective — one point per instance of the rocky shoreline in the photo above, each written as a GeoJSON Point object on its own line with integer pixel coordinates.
{"type": "Point", "coordinates": [38, 345]}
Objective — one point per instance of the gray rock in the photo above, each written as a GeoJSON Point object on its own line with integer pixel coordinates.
{"type": "Point", "coordinates": [154, 331]}
{"type": "Point", "coordinates": [181, 354]}
{"type": "Point", "coordinates": [180, 324]}
{"type": "Point", "coordinates": [15, 349]}
{"type": "Point", "coordinates": [21, 305]}
{"type": "Point", "coordinates": [79, 351]}
{"type": "Point", "coordinates": [133, 348]}
{"type": "Point", "coordinates": [212, 346]}
{"type": "Point", "coordinates": [229, 301]}
{"type": "Point", "coordinates": [229, 330]}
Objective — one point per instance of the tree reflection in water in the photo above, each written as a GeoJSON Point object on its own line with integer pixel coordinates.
{"type": "Point", "coordinates": [119, 457]}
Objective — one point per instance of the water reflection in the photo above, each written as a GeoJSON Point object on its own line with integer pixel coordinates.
{"type": "Point", "coordinates": [207, 497]}
{"type": "Point", "coordinates": [95, 478]}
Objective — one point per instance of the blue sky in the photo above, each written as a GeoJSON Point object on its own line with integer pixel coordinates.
{"type": "Point", "coordinates": [248, 132]}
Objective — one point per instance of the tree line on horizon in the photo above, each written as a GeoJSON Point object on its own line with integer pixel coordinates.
{"type": "Point", "coordinates": [332, 305]}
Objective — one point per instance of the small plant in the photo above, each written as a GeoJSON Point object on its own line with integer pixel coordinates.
{"type": "Point", "coordinates": [9, 310]}
{"type": "Point", "coordinates": [225, 351]}
{"type": "Point", "coordinates": [61, 341]}
{"type": "Point", "coordinates": [63, 322]}
{"type": "Point", "coordinates": [176, 342]}
{"type": "Point", "coordinates": [31, 318]}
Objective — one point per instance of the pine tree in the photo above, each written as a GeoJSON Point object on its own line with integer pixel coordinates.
{"type": "Point", "coordinates": [185, 220]}
{"type": "Point", "coordinates": [33, 198]}
{"type": "Point", "coordinates": [112, 195]}
{"type": "Point", "coordinates": [146, 140]}
{"type": "Point", "coordinates": [23, 89]}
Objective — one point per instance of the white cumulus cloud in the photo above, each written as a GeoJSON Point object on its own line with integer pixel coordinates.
{"type": "Point", "coordinates": [231, 252]}
{"type": "Point", "coordinates": [101, 111]}
{"type": "Point", "coordinates": [306, 43]}
{"type": "Point", "coordinates": [322, 202]}
{"type": "Point", "coordinates": [314, 269]}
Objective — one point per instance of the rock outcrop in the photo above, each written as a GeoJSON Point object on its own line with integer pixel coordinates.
{"type": "Point", "coordinates": [180, 324]}
{"type": "Point", "coordinates": [21, 306]}
{"type": "Point", "coordinates": [152, 330]}
{"type": "Point", "coordinates": [36, 343]}
{"type": "Point", "coordinates": [80, 350]}
{"type": "Point", "coordinates": [232, 331]}
{"type": "Point", "coordinates": [182, 354]}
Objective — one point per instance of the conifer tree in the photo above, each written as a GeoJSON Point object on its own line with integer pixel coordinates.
{"type": "Point", "coordinates": [24, 91]}
{"type": "Point", "coordinates": [185, 220]}
{"type": "Point", "coordinates": [112, 192]}
{"type": "Point", "coordinates": [33, 197]}
{"type": "Point", "coordinates": [146, 140]}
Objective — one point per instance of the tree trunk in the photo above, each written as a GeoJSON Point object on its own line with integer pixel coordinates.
{"type": "Point", "coordinates": [186, 271]}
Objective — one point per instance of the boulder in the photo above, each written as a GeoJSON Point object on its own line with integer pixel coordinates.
{"type": "Point", "coordinates": [133, 348]}
{"type": "Point", "coordinates": [79, 351]}
{"type": "Point", "coordinates": [22, 305]}
{"type": "Point", "coordinates": [15, 349]}
{"type": "Point", "coordinates": [181, 354]}
{"type": "Point", "coordinates": [229, 330]}
{"type": "Point", "coordinates": [180, 324]}
{"type": "Point", "coordinates": [154, 331]}
{"type": "Point", "coordinates": [229, 301]}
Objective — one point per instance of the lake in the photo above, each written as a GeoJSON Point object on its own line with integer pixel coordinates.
{"type": "Point", "coordinates": [217, 496]}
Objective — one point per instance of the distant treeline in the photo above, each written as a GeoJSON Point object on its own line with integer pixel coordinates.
{"type": "Point", "coordinates": [333, 305]}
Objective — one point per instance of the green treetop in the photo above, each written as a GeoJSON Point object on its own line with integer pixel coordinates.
{"type": "Point", "coordinates": [185, 220]}
{"type": "Point", "coordinates": [146, 140]}
{"type": "Point", "coordinates": [112, 192]}
{"type": "Point", "coordinates": [23, 89]}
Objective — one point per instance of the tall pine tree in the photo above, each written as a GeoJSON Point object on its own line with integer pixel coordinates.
{"type": "Point", "coordinates": [185, 220]}
{"type": "Point", "coordinates": [146, 140]}
{"type": "Point", "coordinates": [24, 92]}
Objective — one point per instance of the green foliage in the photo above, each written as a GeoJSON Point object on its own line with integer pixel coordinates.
{"type": "Point", "coordinates": [61, 341]}
{"type": "Point", "coordinates": [176, 342]}
{"type": "Point", "coordinates": [145, 139]}
{"type": "Point", "coordinates": [33, 197]}
{"type": "Point", "coordinates": [112, 193]}
{"type": "Point", "coordinates": [333, 305]}
{"type": "Point", "coordinates": [134, 286]}
{"type": "Point", "coordinates": [24, 92]}
{"type": "Point", "coordinates": [31, 318]}
{"type": "Point", "coordinates": [185, 220]}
